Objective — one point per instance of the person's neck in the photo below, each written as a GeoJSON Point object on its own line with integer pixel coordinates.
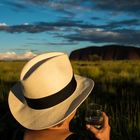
{"type": "Point", "coordinates": [51, 133]}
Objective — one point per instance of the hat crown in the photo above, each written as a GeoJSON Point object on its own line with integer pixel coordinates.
{"type": "Point", "coordinates": [46, 75]}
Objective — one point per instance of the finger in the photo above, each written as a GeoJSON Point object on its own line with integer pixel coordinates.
{"type": "Point", "coordinates": [105, 117]}
{"type": "Point", "coordinates": [92, 128]}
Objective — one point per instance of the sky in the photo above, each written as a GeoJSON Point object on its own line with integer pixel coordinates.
{"type": "Point", "coordinates": [30, 27]}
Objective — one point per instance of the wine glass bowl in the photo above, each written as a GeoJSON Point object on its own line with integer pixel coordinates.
{"type": "Point", "coordinates": [93, 115]}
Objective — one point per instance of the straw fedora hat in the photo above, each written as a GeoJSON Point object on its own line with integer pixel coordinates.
{"type": "Point", "coordinates": [48, 91]}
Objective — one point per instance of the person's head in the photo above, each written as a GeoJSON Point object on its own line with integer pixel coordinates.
{"type": "Point", "coordinates": [48, 91]}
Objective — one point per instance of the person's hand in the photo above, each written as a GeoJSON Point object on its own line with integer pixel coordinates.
{"type": "Point", "coordinates": [104, 132]}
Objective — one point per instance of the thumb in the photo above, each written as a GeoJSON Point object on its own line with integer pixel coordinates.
{"type": "Point", "coordinates": [92, 128]}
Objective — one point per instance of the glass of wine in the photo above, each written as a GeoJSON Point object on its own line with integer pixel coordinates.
{"type": "Point", "coordinates": [93, 115]}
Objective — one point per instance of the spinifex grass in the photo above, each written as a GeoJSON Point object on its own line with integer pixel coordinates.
{"type": "Point", "coordinates": [117, 89]}
{"type": "Point", "coordinates": [9, 74]}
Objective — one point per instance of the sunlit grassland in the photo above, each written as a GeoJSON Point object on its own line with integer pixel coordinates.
{"type": "Point", "coordinates": [117, 89]}
{"type": "Point", "coordinates": [9, 74]}
{"type": "Point", "coordinates": [109, 70]}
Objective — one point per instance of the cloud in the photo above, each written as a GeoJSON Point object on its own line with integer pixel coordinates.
{"type": "Point", "coordinates": [41, 27]}
{"type": "Point", "coordinates": [130, 37]}
{"type": "Point", "coordinates": [63, 43]}
{"type": "Point", "coordinates": [108, 5]}
{"type": "Point", "coordinates": [79, 30]}
{"type": "Point", "coordinates": [119, 5]}
{"type": "Point", "coordinates": [26, 23]}
{"type": "Point", "coordinates": [3, 24]}
{"type": "Point", "coordinates": [29, 28]}
{"type": "Point", "coordinates": [14, 56]}
{"type": "Point", "coordinates": [54, 44]}
{"type": "Point", "coordinates": [95, 18]}
{"type": "Point", "coordinates": [124, 23]}
{"type": "Point", "coordinates": [57, 5]}
{"type": "Point", "coordinates": [65, 25]}
{"type": "Point", "coordinates": [70, 7]}
{"type": "Point", "coordinates": [15, 5]}
{"type": "Point", "coordinates": [113, 32]}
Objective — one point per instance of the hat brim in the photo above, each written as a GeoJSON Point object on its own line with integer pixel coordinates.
{"type": "Point", "coordinates": [45, 118]}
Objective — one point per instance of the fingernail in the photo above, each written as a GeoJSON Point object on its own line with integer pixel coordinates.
{"type": "Point", "coordinates": [88, 126]}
